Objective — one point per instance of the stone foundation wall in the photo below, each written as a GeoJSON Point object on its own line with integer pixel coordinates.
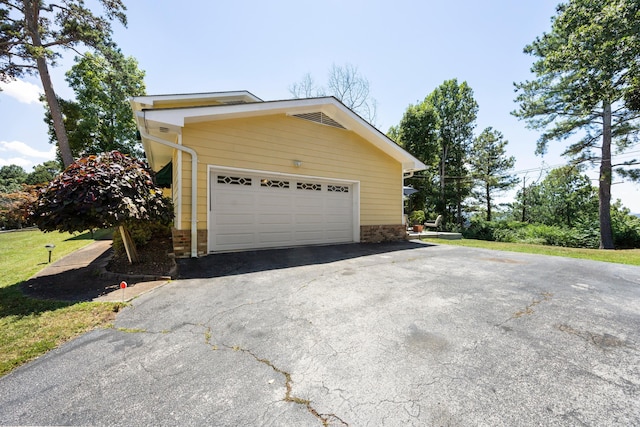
{"type": "Point", "coordinates": [382, 233]}
{"type": "Point", "coordinates": [182, 243]}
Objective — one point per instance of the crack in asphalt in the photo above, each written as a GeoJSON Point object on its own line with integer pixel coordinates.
{"type": "Point", "coordinates": [528, 309]}
{"type": "Point", "coordinates": [325, 419]}
{"type": "Point", "coordinates": [602, 341]}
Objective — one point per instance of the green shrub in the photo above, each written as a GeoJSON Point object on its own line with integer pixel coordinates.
{"type": "Point", "coordinates": [585, 236]}
{"type": "Point", "coordinates": [626, 230]}
{"type": "Point", "coordinates": [141, 232]}
{"type": "Point", "coordinates": [500, 231]}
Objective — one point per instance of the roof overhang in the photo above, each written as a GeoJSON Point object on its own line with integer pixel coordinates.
{"type": "Point", "coordinates": [190, 99]}
{"type": "Point", "coordinates": [169, 121]}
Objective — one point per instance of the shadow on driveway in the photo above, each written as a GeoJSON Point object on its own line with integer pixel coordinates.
{"type": "Point", "coordinates": [232, 263]}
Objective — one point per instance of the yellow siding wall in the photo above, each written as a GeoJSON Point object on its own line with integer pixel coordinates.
{"type": "Point", "coordinates": [271, 143]}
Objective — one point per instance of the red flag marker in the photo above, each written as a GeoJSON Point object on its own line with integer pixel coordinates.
{"type": "Point", "coordinates": [123, 285]}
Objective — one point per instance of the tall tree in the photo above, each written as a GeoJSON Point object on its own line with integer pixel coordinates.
{"type": "Point", "coordinates": [43, 173]}
{"type": "Point", "coordinates": [456, 110]}
{"type": "Point", "coordinates": [490, 167]}
{"type": "Point", "coordinates": [345, 83]}
{"type": "Point", "coordinates": [34, 30]}
{"type": "Point", "coordinates": [583, 72]}
{"type": "Point", "coordinates": [100, 119]}
{"type": "Point", "coordinates": [632, 97]}
{"type": "Point", "coordinates": [11, 178]}
{"type": "Point", "coordinates": [416, 133]}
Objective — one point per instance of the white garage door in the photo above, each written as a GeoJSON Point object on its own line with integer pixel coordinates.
{"type": "Point", "coordinates": [250, 211]}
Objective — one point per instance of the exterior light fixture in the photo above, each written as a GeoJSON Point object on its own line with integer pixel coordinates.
{"type": "Point", "coordinates": [49, 247]}
{"type": "Point", "coordinates": [297, 163]}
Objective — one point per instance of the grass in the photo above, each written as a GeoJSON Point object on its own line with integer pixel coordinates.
{"type": "Point", "coordinates": [31, 327]}
{"type": "Point", "coordinates": [623, 256]}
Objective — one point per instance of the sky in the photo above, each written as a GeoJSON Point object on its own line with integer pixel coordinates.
{"type": "Point", "coordinates": [404, 48]}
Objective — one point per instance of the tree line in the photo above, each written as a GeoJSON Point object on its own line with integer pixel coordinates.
{"type": "Point", "coordinates": [586, 89]}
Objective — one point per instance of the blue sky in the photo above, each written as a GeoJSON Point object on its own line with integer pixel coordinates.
{"type": "Point", "coordinates": [404, 48]}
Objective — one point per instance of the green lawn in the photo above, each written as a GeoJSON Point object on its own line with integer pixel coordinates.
{"type": "Point", "coordinates": [624, 256]}
{"type": "Point", "coordinates": [30, 327]}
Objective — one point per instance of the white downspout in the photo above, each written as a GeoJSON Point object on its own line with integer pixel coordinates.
{"type": "Point", "coordinates": [194, 186]}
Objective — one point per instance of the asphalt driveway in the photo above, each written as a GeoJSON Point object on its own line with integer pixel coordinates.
{"type": "Point", "coordinates": [359, 335]}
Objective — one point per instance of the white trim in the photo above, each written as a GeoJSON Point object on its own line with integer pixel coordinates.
{"type": "Point", "coordinates": [209, 207]}
{"type": "Point", "coordinates": [356, 211]}
{"type": "Point", "coordinates": [402, 200]}
{"type": "Point", "coordinates": [355, 185]}
{"type": "Point", "coordinates": [178, 197]}
{"type": "Point", "coordinates": [150, 100]}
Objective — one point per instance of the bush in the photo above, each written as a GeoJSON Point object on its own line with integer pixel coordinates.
{"type": "Point", "coordinates": [14, 207]}
{"type": "Point", "coordinates": [500, 231]}
{"type": "Point", "coordinates": [585, 236]}
{"type": "Point", "coordinates": [142, 232]}
{"type": "Point", "coordinates": [626, 230]}
{"type": "Point", "coordinates": [100, 192]}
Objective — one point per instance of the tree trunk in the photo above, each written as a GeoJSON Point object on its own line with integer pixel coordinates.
{"type": "Point", "coordinates": [524, 199]}
{"type": "Point", "coordinates": [443, 171]}
{"type": "Point", "coordinates": [129, 246]}
{"type": "Point", "coordinates": [32, 15]}
{"type": "Point", "coordinates": [604, 188]}
{"type": "Point", "coordinates": [488, 195]}
{"type": "Point", "coordinates": [56, 113]}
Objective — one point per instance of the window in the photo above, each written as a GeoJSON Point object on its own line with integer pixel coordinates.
{"type": "Point", "coordinates": [338, 188]}
{"type": "Point", "coordinates": [309, 186]}
{"type": "Point", "coordinates": [234, 180]}
{"type": "Point", "coordinates": [272, 183]}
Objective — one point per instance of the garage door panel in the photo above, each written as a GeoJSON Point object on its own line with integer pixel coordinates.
{"type": "Point", "coordinates": [276, 211]}
{"type": "Point", "coordinates": [273, 209]}
{"type": "Point", "coordinates": [235, 238]}
{"type": "Point", "coordinates": [309, 202]}
{"type": "Point", "coordinates": [334, 217]}
{"type": "Point", "coordinates": [268, 219]}
{"type": "Point", "coordinates": [229, 219]}
{"type": "Point", "coordinates": [310, 218]}
{"type": "Point", "coordinates": [309, 236]}
{"type": "Point", "coordinates": [275, 237]}
{"type": "Point", "coordinates": [340, 201]}
{"type": "Point", "coordinates": [233, 204]}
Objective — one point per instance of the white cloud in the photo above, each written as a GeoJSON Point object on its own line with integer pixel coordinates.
{"type": "Point", "coordinates": [26, 150]}
{"type": "Point", "coordinates": [25, 92]}
{"type": "Point", "coordinates": [21, 154]}
{"type": "Point", "coordinates": [25, 163]}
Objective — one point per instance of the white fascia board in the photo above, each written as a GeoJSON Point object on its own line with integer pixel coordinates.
{"type": "Point", "coordinates": [377, 138]}
{"type": "Point", "coordinates": [167, 118]}
{"type": "Point", "coordinates": [243, 95]}
{"type": "Point", "coordinates": [328, 105]}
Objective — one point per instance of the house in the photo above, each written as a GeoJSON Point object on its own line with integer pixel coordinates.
{"type": "Point", "coordinates": [249, 174]}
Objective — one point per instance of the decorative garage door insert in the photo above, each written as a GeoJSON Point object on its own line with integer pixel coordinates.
{"type": "Point", "coordinates": [251, 211]}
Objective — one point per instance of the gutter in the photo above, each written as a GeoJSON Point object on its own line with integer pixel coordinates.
{"type": "Point", "coordinates": [194, 185]}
